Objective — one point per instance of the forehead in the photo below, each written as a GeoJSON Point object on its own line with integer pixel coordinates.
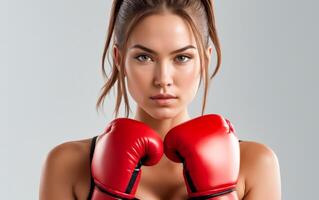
{"type": "Point", "coordinates": [163, 31]}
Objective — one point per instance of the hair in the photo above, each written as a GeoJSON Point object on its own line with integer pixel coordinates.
{"type": "Point", "coordinates": [124, 16]}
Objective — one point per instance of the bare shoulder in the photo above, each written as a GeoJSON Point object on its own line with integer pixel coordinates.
{"type": "Point", "coordinates": [260, 166]}
{"type": "Point", "coordinates": [61, 168]}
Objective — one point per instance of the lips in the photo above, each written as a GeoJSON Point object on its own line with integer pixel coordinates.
{"type": "Point", "coordinates": [163, 96]}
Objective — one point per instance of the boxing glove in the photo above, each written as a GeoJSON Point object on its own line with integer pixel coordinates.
{"type": "Point", "coordinates": [209, 150]}
{"type": "Point", "coordinates": [121, 150]}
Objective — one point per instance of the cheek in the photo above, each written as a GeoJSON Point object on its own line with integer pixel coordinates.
{"type": "Point", "coordinates": [138, 81]}
{"type": "Point", "coordinates": [188, 79]}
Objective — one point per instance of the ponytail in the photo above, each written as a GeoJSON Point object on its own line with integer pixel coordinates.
{"type": "Point", "coordinates": [208, 4]}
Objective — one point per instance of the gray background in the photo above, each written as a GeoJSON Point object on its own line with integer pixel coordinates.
{"type": "Point", "coordinates": [50, 80]}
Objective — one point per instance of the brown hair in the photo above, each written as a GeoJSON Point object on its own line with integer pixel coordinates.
{"type": "Point", "coordinates": [125, 14]}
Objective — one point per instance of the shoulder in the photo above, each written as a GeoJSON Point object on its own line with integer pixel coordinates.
{"type": "Point", "coordinates": [257, 151]}
{"type": "Point", "coordinates": [62, 165]}
{"type": "Point", "coordinates": [68, 152]}
{"type": "Point", "coordinates": [260, 165]}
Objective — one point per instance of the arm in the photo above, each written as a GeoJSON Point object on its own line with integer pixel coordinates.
{"type": "Point", "coordinates": [263, 179]}
{"type": "Point", "coordinates": [56, 178]}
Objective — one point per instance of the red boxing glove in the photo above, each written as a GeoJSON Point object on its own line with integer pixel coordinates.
{"type": "Point", "coordinates": [209, 150]}
{"type": "Point", "coordinates": [120, 152]}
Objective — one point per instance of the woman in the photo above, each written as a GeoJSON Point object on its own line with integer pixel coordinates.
{"type": "Point", "coordinates": [160, 47]}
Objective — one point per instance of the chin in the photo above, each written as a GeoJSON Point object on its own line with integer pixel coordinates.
{"type": "Point", "coordinates": [163, 113]}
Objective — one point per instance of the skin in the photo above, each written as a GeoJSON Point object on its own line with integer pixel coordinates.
{"type": "Point", "coordinates": [66, 172]}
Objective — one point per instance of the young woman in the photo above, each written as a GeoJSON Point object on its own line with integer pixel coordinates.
{"type": "Point", "coordinates": [161, 49]}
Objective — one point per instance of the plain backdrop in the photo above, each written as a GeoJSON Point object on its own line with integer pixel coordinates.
{"type": "Point", "coordinates": [51, 79]}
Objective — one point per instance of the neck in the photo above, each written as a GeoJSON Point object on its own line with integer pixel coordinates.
{"type": "Point", "coordinates": [162, 125]}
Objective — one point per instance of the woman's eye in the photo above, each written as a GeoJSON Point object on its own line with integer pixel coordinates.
{"type": "Point", "coordinates": [183, 60]}
{"type": "Point", "coordinates": [142, 56]}
{"type": "Point", "coordinates": [146, 58]}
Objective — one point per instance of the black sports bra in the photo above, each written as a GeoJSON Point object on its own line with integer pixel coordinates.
{"type": "Point", "coordinates": [91, 156]}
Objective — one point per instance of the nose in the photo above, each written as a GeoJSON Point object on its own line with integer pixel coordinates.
{"type": "Point", "coordinates": [163, 76]}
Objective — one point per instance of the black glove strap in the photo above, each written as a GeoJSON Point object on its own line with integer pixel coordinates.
{"type": "Point", "coordinates": [212, 195]}
{"type": "Point", "coordinates": [113, 195]}
{"type": "Point", "coordinates": [130, 184]}
{"type": "Point", "coordinates": [133, 177]}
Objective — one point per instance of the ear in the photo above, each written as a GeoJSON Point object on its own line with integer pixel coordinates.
{"type": "Point", "coordinates": [117, 58]}
{"type": "Point", "coordinates": [209, 52]}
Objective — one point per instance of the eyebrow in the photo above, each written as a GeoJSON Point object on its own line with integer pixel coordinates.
{"type": "Point", "coordinates": [154, 52]}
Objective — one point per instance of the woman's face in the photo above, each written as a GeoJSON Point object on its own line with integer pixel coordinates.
{"type": "Point", "coordinates": [162, 58]}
